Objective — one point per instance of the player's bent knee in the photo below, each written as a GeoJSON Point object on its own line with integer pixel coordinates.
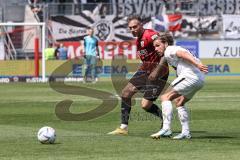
{"type": "Point", "coordinates": [128, 92]}
{"type": "Point", "coordinates": [164, 97]}
{"type": "Point", "coordinates": [146, 104]}
{"type": "Point", "coordinates": [180, 102]}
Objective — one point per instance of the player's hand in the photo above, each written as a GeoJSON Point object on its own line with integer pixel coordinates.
{"type": "Point", "coordinates": [203, 67]}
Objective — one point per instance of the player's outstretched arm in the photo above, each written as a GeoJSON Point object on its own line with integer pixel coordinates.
{"type": "Point", "coordinates": [189, 58]}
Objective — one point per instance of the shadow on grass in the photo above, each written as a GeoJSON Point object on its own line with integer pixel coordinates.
{"type": "Point", "coordinates": [47, 144]}
{"type": "Point", "coordinates": [177, 132]}
{"type": "Point", "coordinates": [56, 143]}
{"type": "Point", "coordinates": [195, 135]}
{"type": "Point", "coordinates": [198, 131]}
{"type": "Point", "coordinates": [212, 137]}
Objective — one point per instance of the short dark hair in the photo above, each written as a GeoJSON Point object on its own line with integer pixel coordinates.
{"type": "Point", "coordinates": [166, 37]}
{"type": "Point", "coordinates": [132, 17]}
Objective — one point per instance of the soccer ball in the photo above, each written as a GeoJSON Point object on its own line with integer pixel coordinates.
{"type": "Point", "coordinates": [46, 135]}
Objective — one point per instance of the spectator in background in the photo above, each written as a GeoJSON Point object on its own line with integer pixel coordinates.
{"type": "Point", "coordinates": [50, 53]}
{"type": "Point", "coordinates": [61, 52]}
{"type": "Point", "coordinates": [91, 54]}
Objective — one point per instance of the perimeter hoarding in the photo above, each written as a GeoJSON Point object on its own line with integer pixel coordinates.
{"type": "Point", "coordinates": [217, 67]}
{"type": "Point", "coordinates": [219, 49]}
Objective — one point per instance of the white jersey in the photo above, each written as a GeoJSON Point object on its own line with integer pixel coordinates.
{"type": "Point", "coordinates": [183, 67]}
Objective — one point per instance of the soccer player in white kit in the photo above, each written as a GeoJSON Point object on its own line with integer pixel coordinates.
{"type": "Point", "coordinates": [190, 79]}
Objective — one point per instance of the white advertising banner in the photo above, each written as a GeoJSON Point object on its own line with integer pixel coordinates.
{"type": "Point", "coordinates": [231, 26]}
{"type": "Point", "coordinates": [206, 24]}
{"type": "Point", "coordinates": [73, 28]}
{"type": "Point", "coordinates": [219, 49]}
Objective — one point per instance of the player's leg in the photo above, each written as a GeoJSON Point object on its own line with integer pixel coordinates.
{"type": "Point", "coordinates": [93, 68]}
{"type": "Point", "coordinates": [135, 84]}
{"type": "Point", "coordinates": [167, 110]}
{"type": "Point", "coordinates": [178, 87]}
{"type": "Point", "coordinates": [152, 108]}
{"type": "Point", "coordinates": [87, 62]}
{"type": "Point", "coordinates": [126, 96]}
{"type": "Point", "coordinates": [153, 90]}
{"type": "Point", "coordinates": [183, 118]}
{"type": "Point", "coordinates": [183, 115]}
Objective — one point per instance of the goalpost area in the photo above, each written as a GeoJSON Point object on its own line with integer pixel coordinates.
{"type": "Point", "coordinates": [21, 51]}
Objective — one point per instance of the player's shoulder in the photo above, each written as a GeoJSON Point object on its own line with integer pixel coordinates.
{"type": "Point", "coordinates": [151, 34]}
{"type": "Point", "coordinates": [171, 50]}
{"type": "Point", "coordinates": [94, 38]}
{"type": "Point", "coordinates": [174, 48]}
{"type": "Point", "coordinates": [85, 37]}
{"type": "Point", "coordinates": [150, 31]}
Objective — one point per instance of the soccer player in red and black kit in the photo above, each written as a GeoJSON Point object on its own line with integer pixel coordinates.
{"type": "Point", "coordinates": [143, 80]}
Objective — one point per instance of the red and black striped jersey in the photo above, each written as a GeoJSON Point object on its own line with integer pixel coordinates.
{"type": "Point", "coordinates": [146, 50]}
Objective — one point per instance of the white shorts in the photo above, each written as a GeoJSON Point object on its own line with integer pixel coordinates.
{"type": "Point", "coordinates": [187, 86]}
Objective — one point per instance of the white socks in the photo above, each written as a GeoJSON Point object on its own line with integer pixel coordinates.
{"type": "Point", "coordinates": [184, 119]}
{"type": "Point", "coordinates": [167, 111]}
{"type": "Point", "coordinates": [124, 126]}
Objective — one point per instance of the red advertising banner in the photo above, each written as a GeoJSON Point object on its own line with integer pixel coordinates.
{"type": "Point", "coordinates": [108, 50]}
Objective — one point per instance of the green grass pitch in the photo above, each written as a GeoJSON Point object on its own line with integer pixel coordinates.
{"type": "Point", "coordinates": [24, 108]}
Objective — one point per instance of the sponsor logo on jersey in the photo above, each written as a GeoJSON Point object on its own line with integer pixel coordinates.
{"type": "Point", "coordinates": [154, 37]}
{"type": "Point", "coordinates": [142, 52]}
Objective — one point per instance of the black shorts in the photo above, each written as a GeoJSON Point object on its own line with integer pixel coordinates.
{"type": "Point", "coordinates": [150, 89]}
